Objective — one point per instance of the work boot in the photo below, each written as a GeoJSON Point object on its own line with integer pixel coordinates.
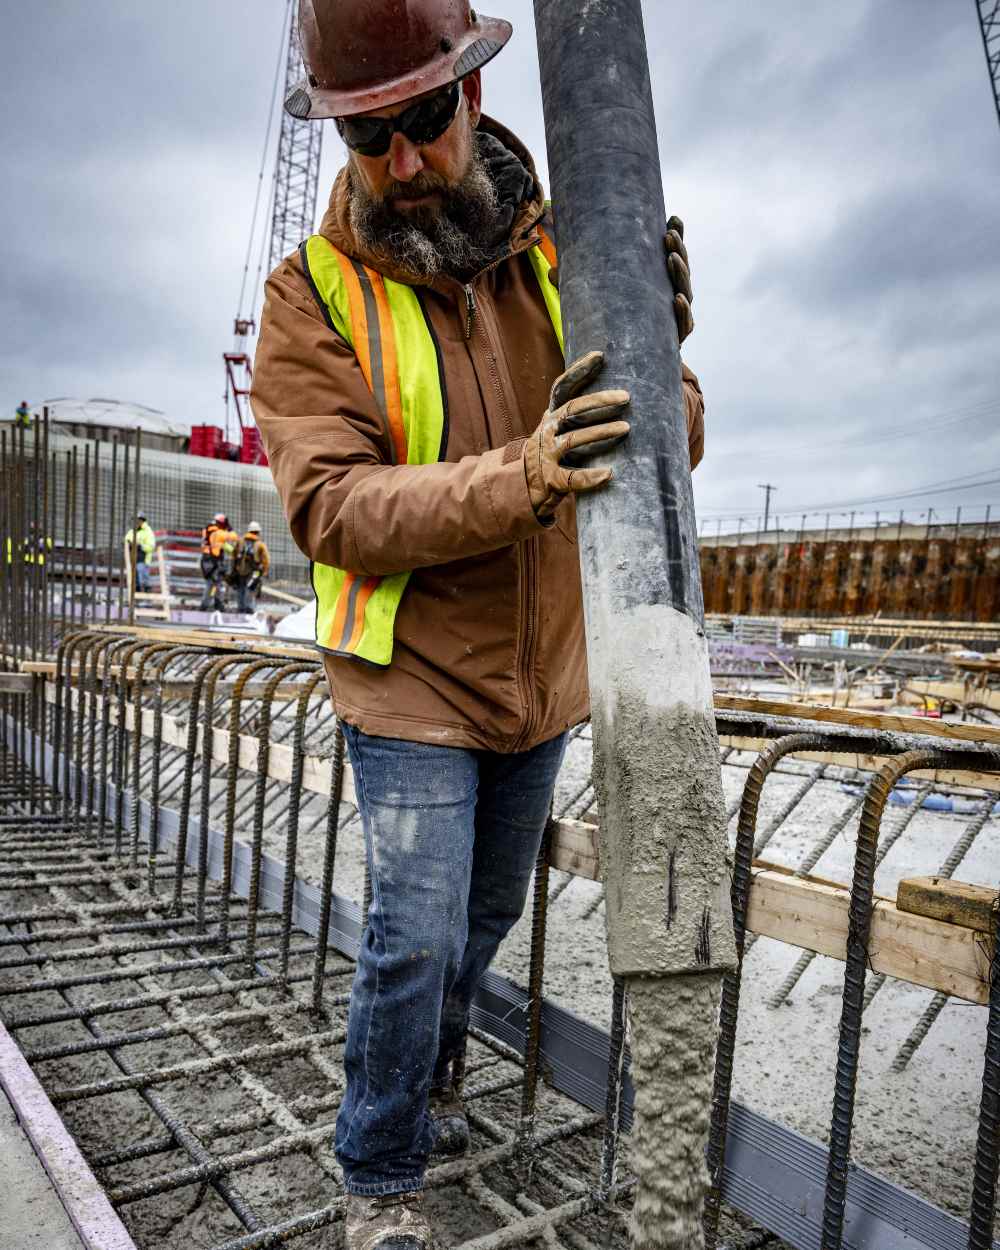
{"type": "Point", "coordinates": [449, 1121]}
{"type": "Point", "coordinates": [386, 1222]}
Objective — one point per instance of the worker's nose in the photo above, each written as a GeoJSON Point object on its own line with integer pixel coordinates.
{"type": "Point", "coordinates": [405, 161]}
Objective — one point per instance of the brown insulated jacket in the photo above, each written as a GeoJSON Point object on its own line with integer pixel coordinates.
{"type": "Point", "coordinates": [489, 645]}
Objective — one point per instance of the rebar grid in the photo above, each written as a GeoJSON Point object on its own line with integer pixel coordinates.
{"type": "Point", "coordinates": [92, 906]}
{"type": "Point", "coordinates": [49, 854]}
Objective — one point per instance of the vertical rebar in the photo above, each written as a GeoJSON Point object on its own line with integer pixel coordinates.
{"type": "Point", "coordinates": [855, 968]}
{"type": "Point", "coordinates": [615, 1091]}
{"type": "Point", "coordinates": [232, 774]}
{"type": "Point", "coordinates": [126, 480]}
{"type": "Point", "coordinates": [138, 687]}
{"type": "Point", "coordinates": [257, 836]}
{"type": "Point", "coordinates": [984, 1173]}
{"type": "Point", "coordinates": [135, 536]}
{"type": "Point", "coordinates": [329, 860]}
{"type": "Point", "coordinates": [160, 666]}
{"type": "Point", "coordinates": [112, 527]}
{"type": "Point", "coordinates": [292, 834]}
{"type": "Point", "coordinates": [207, 759]}
{"type": "Point", "coordinates": [187, 784]}
{"type": "Point", "coordinates": [760, 770]}
{"type": "Point", "coordinates": [536, 972]}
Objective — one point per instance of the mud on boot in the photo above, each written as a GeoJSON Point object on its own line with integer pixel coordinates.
{"type": "Point", "coordinates": [386, 1222]}
{"type": "Point", "coordinates": [450, 1124]}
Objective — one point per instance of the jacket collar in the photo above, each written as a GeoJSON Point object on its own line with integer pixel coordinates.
{"type": "Point", "coordinates": [336, 224]}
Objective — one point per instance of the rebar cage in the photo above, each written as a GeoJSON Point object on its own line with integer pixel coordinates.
{"type": "Point", "coordinates": [164, 970]}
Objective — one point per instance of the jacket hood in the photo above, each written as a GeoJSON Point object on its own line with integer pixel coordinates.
{"type": "Point", "coordinates": [521, 197]}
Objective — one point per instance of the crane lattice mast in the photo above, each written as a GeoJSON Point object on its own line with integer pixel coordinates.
{"type": "Point", "coordinates": [293, 211]}
{"type": "Point", "coordinates": [296, 176]}
{"type": "Point", "coordinates": [989, 22]}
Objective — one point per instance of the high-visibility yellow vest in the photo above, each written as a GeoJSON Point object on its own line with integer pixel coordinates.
{"type": "Point", "coordinates": [31, 553]}
{"type": "Point", "coordinates": [146, 540]}
{"type": "Point", "coordinates": [385, 324]}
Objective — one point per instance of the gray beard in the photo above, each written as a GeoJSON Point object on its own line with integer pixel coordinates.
{"type": "Point", "coordinates": [459, 240]}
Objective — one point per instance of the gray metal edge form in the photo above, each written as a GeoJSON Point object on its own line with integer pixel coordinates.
{"type": "Point", "coordinates": [772, 1175]}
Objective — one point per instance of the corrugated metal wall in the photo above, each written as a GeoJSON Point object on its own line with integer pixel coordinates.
{"type": "Point", "coordinates": [934, 578]}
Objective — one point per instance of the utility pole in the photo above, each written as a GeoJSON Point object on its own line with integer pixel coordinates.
{"type": "Point", "coordinates": [656, 753]}
{"type": "Point", "coordinates": [768, 490]}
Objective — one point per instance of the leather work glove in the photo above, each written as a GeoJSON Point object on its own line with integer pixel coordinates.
{"type": "Point", "coordinates": [680, 277]}
{"type": "Point", "coordinates": [584, 424]}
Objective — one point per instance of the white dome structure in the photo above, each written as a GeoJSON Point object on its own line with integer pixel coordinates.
{"type": "Point", "coordinates": [102, 418]}
{"type": "Point", "coordinates": [113, 414]}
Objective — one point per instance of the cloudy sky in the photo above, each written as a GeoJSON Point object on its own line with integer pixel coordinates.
{"type": "Point", "coordinates": [838, 168]}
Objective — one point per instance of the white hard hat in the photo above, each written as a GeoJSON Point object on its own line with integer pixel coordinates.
{"type": "Point", "coordinates": [253, 527]}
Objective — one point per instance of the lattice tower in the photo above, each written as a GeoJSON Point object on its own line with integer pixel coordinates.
{"type": "Point", "coordinates": [989, 22]}
{"type": "Point", "coordinates": [296, 177]}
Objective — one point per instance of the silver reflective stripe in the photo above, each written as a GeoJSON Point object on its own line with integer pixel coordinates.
{"type": "Point", "coordinates": [352, 596]}
{"type": "Point", "coordinates": [375, 351]}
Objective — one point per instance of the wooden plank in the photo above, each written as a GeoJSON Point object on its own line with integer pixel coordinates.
{"type": "Point", "coordinates": [988, 664]}
{"type": "Point", "coordinates": [574, 848]}
{"type": "Point", "coordinates": [957, 902]}
{"type": "Point", "coordinates": [15, 683]}
{"type": "Point", "coordinates": [813, 915]}
{"type": "Point", "coordinates": [954, 691]}
{"type": "Point", "coordinates": [879, 721]}
{"type": "Point", "coordinates": [316, 769]}
{"type": "Point", "coordinates": [282, 594]}
{"type": "Point", "coordinates": [210, 640]}
{"type": "Point", "coordinates": [810, 913]}
{"type": "Point", "coordinates": [869, 763]}
{"type": "Point", "coordinates": [179, 689]}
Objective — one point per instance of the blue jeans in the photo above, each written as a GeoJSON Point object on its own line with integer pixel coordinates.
{"type": "Point", "coordinates": [452, 837]}
{"type": "Point", "coordinates": [142, 576]}
{"type": "Point", "coordinates": [246, 594]}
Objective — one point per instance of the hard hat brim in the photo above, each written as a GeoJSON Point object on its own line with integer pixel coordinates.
{"type": "Point", "coordinates": [472, 52]}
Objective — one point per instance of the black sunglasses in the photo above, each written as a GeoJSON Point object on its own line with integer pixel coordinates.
{"type": "Point", "coordinates": [422, 122]}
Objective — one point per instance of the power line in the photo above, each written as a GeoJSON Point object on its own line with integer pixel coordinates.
{"type": "Point", "coordinates": [930, 488]}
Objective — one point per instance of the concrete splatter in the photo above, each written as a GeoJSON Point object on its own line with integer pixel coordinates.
{"type": "Point", "coordinates": [673, 1033]}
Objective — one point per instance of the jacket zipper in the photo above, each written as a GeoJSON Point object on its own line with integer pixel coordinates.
{"type": "Point", "coordinates": [470, 322]}
{"type": "Point", "coordinates": [526, 660]}
{"type": "Point", "coordinates": [470, 309]}
{"type": "Point", "coordinates": [527, 557]}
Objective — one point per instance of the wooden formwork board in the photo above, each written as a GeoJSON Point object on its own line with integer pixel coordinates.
{"type": "Point", "coordinates": [806, 912]}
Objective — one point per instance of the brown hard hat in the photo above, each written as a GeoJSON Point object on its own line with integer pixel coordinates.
{"type": "Point", "coordinates": [369, 54]}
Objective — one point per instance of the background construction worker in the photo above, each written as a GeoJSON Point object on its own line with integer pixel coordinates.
{"type": "Point", "coordinates": [253, 561]}
{"type": "Point", "coordinates": [419, 451]}
{"type": "Point", "coordinates": [22, 415]}
{"type": "Point", "coordinates": [140, 544]}
{"type": "Point", "coordinates": [218, 548]}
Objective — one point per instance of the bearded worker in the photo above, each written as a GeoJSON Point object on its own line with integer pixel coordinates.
{"type": "Point", "coordinates": [411, 391]}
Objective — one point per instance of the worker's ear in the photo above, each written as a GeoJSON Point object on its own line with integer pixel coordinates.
{"type": "Point", "coordinates": [472, 88]}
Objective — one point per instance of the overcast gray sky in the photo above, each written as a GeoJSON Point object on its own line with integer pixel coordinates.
{"type": "Point", "coordinates": [837, 166]}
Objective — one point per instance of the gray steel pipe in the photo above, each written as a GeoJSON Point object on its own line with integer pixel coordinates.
{"type": "Point", "coordinates": [656, 752]}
